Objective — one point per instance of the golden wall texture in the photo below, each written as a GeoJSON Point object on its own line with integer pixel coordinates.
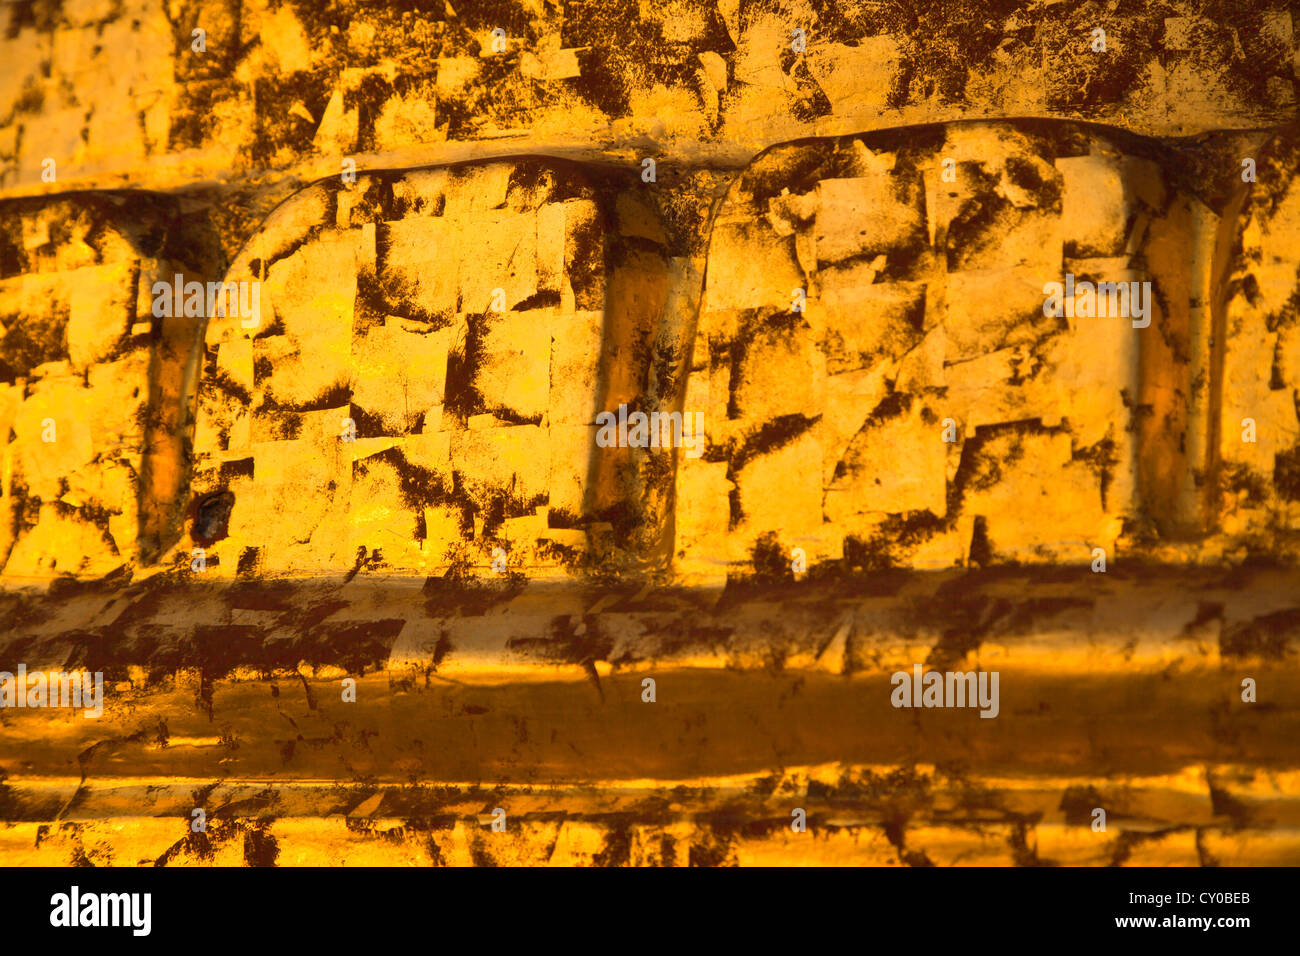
{"type": "Point", "coordinates": [360, 569]}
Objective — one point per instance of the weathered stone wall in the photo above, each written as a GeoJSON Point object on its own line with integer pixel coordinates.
{"type": "Point", "coordinates": [91, 381]}
{"type": "Point", "coordinates": [857, 327]}
{"type": "Point", "coordinates": [115, 91]}
{"type": "Point", "coordinates": [370, 558]}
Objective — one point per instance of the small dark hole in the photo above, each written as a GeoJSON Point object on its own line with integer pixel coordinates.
{"type": "Point", "coordinates": [212, 516]}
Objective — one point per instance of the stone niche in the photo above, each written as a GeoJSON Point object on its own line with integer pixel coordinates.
{"type": "Point", "coordinates": [91, 381]}
{"type": "Point", "coordinates": [884, 381]}
{"type": "Point", "coordinates": [420, 391]}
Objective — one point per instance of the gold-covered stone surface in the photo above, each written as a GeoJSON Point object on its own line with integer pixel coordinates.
{"type": "Point", "coordinates": [91, 384]}
{"type": "Point", "coordinates": [359, 573]}
{"type": "Point", "coordinates": [420, 389]}
{"type": "Point", "coordinates": [922, 257]}
{"type": "Point", "coordinates": [1258, 486]}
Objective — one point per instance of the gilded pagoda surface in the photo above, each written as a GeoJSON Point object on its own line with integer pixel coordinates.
{"type": "Point", "coordinates": [698, 433]}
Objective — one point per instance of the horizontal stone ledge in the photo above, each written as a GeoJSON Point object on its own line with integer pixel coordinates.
{"type": "Point", "coordinates": [1138, 670]}
{"type": "Point", "coordinates": [702, 722]}
{"type": "Point", "coordinates": [335, 841]}
{"type": "Point", "coordinates": [868, 816]}
{"type": "Point", "coordinates": [838, 794]}
{"type": "Point", "coordinates": [196, 171]}
{"type": "Point", "coordinates": [1127, 621]}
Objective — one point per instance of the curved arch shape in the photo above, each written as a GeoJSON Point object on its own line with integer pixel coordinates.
{"type": "Point", "coordinates": [420, 391]}
{"type": "Point", "coordinates": [925, 255]}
